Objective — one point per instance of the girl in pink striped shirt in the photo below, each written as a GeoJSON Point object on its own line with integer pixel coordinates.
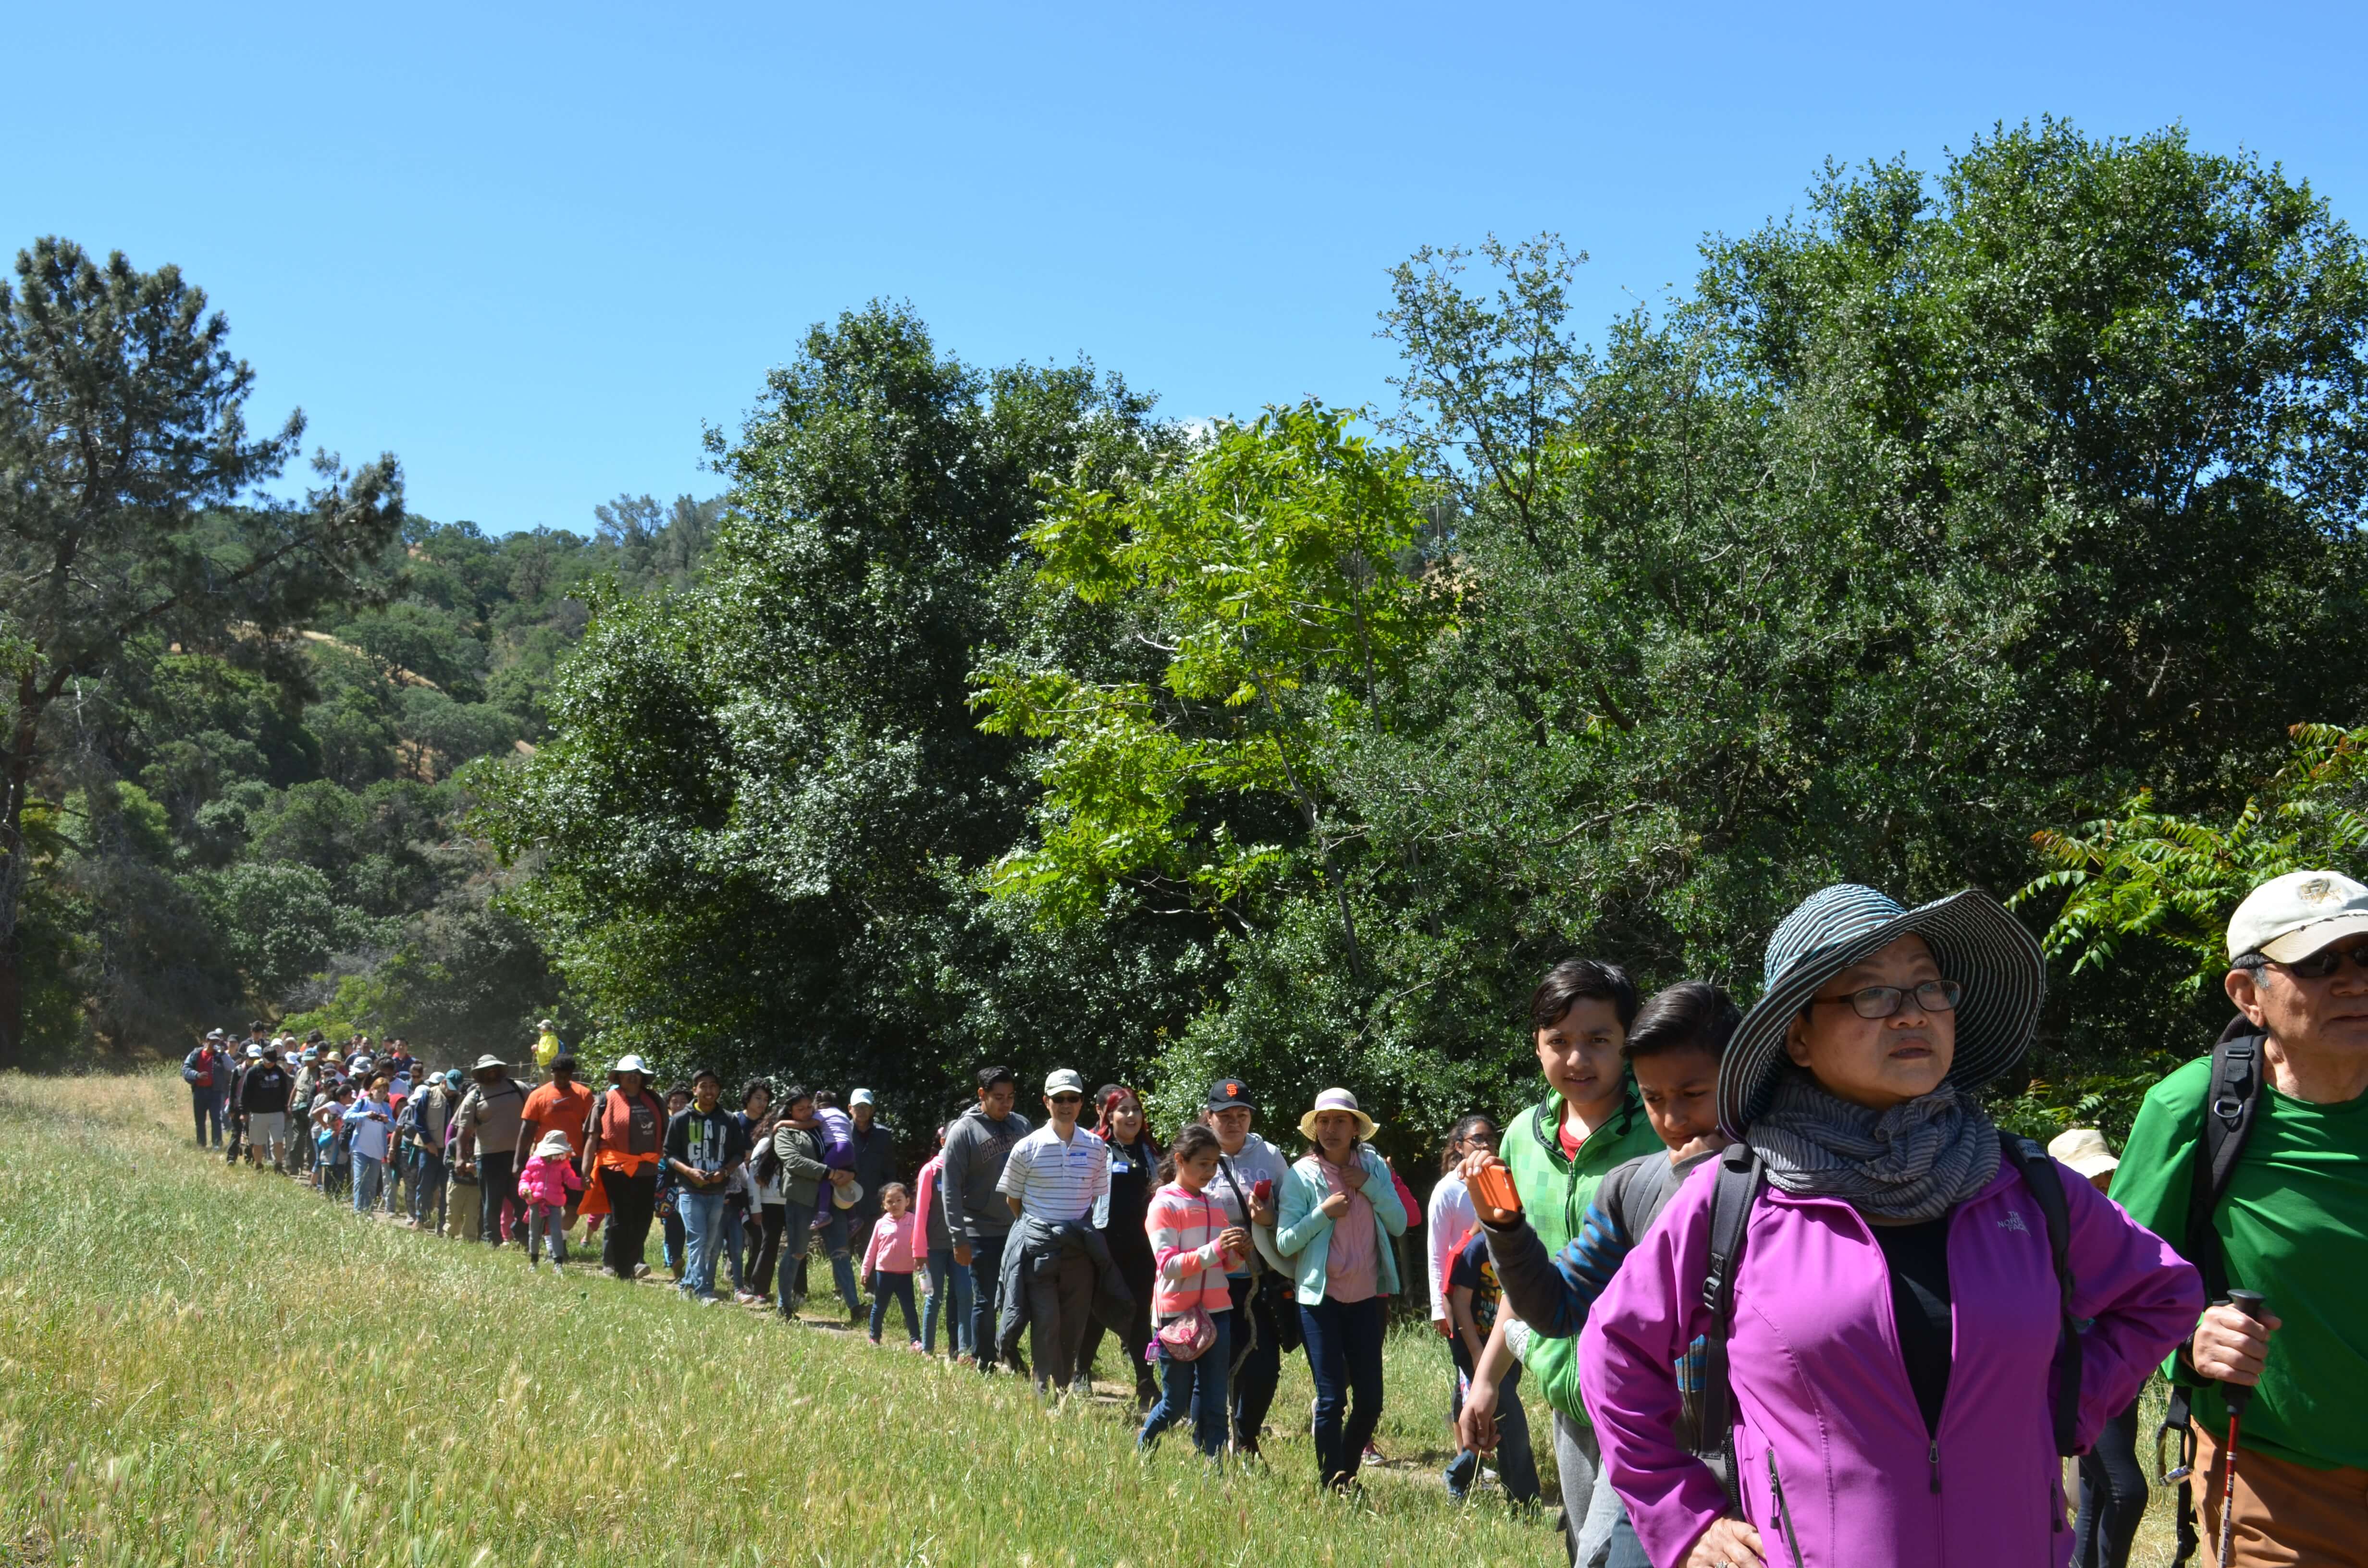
{"type": "Point", "coordinates": [1193, 1245]}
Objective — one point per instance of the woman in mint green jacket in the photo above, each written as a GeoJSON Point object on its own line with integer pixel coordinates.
{"type": "Point", "coordinates": [1337, 1217]}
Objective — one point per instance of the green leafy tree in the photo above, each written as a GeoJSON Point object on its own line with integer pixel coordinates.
{"type": "Point", "coordinates": [2147, 874]}
{"type": "Point", "coordinates": [750, 833]}
{"type": "Point", "coordinates": [1953, 507]}
{"type": "Point", "coordinates": [124, 455]}
{"type": "Point", "coordinates": [1279, 570]}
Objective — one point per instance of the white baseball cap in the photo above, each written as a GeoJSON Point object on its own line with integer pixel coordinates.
{"type": "Point", "coordinates": [2293, 917]}
{"type": "Point", "coordinates": [861, 1097]}
{"type": "Point", "coordinates": [1065, 1081]}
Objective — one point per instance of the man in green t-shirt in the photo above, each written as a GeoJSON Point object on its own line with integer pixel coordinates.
{"type": "Point", "coordinates": [2293, 1226]}
{"type": "Point", "coordinates": [1558, 1151]}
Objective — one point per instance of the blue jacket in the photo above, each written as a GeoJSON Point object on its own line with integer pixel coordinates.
{"type": "Point", "coordinates": [1302, 1231]}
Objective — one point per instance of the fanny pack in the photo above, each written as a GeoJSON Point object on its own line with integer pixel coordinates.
{"type": "Point", "coordinates": [1188, 1336]}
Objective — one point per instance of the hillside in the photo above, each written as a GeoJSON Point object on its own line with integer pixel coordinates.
{"type": "Point", "coordinates": [254, 829]}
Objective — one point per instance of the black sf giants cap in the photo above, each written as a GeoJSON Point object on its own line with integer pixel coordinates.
{"type": "Point", "coordinates": [1227, 1093]}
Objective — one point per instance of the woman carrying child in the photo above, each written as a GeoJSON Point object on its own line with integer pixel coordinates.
{"type": "Point", "coordinates": [1193, 1245]}
{"type": "Point", "coordinates": [796, 1165]}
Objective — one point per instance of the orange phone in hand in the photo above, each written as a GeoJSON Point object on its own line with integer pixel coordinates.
{"type": "Point", "coordinates": [1492, 1189]}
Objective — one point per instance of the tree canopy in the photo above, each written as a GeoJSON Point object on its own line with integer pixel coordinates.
{"type": "Point", "coordinates": [989, 717]}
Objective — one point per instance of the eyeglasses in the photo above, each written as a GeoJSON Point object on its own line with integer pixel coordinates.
{"type": "Point", "coordinates": [1883, 1001]}
{"type": "Point", "coordinates": [2327, 960]}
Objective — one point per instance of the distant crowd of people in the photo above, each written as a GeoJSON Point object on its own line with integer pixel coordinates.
{"type": "Point", "coordinates": [1786, 1292]}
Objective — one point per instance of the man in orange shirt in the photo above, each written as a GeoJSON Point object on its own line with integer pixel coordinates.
{"type": "Point", "coordinates": [561, 1106]}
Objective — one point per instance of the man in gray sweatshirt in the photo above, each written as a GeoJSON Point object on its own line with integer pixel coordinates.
{"type": "Point", "coordinates": [977, 1145]}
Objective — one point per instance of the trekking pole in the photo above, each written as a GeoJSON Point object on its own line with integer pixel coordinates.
{"type": "Point", "coordinates": [2237, 1396]}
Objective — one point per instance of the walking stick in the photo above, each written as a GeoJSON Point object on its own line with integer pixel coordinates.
{"type": "Point", "coordinates": [2237, 1396]}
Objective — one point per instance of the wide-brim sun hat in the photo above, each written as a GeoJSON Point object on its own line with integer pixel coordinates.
{"type": "Point", "coordinates": [630, 1062]}
{"type": "Point", "coordinates": [2085, 1150]}
{"type": "Point", "coordinates": [553, 1144]}
{"type": "Point", "coordinates": [847, 1196]}
{"type": "Point", "coordinates": [487, 1062]}
{"type": "Point", "coordinates": [1336, 1099]}
{"type": "Point", "coordinates": [1975, 940]}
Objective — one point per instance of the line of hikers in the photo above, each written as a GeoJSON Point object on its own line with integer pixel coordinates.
{"type": "Point", "coordinates": [1787, 1292]}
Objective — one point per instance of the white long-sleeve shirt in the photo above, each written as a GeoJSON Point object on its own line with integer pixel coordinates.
{"type": "Point", "coordinates": [1448, 1219]}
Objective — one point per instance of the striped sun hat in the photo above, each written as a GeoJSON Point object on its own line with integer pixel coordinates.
{"type": "Point", "coordinates": [1976, 941]}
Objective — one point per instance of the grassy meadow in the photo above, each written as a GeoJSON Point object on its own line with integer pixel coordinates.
{"type": "Point", "coordinates": [204, 1365]}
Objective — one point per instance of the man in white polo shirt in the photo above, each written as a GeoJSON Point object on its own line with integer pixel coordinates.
{"type": "Point", "coordinates": [1051, 1181]}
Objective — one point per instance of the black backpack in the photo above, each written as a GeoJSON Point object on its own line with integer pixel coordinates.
{"type": "Point", "coordinates": [2230, 1101]}
{"type": "Point", "coordinates": [1740, 1177]}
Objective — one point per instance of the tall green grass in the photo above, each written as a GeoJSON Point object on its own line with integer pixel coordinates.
{"type": "Point", "coordinates": [204, 1365]}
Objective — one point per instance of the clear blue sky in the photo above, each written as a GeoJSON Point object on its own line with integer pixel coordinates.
{"type": "Point", "coordinates": [530, 249]}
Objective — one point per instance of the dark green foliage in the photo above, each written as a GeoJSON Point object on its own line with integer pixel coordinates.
{"type": "Point", "coordinates": [765, 793]}
{"type": "Point", "coordinates": [1953, 509]}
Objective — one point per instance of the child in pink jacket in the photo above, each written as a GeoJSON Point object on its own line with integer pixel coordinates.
{"type": "Point", "coordinates": [543, 1187]}
{"type": "Point", "coordinates": [888, 1261]}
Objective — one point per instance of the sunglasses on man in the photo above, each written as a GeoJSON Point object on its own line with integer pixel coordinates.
{"type": "Point", "coordinates": [2327, 960]}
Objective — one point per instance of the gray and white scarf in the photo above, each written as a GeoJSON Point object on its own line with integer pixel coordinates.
{"type": "Point", "coordinates": [1916, 1160]}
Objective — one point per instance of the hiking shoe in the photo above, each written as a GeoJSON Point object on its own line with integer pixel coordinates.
{"type": "Point", "coordinates": [640, 1271]}
{"type": "Point", "coordinates": [1081, 1387]}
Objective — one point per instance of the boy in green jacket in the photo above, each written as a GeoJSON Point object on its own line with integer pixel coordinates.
{"type": "Point", "coordinates": [1557, 1150]}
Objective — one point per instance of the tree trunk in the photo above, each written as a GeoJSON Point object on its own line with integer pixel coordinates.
{"type": "Point", "coordinates": [12, 1004]}
{"type": "Point", "coordinates": [15, 770]}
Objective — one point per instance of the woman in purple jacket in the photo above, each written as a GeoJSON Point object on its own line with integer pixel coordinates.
{"type": "Point", "coordinates": [1896, 1310]}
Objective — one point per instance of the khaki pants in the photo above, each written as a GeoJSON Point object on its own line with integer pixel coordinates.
{"type": "Point", "coordinates": [2287, 1515]}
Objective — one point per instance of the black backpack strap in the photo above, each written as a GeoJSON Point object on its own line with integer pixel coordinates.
{"type": "Point", "coordinates": [2041, 1174]}
{"type": "Point", "coordinates": [2230, 1105]}
{"type": "Point", "coordinates": [2231, 1098]}
{"type": "Point", "coordinates": [2178, 1423]}
{"type": "Point", "coordinates": [1740, 1175]}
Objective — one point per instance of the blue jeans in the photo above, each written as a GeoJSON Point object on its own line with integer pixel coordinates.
{"type": "Point", "coordinates": [735, 1240]}
{"type": "Point", "coordinates": [1517, 1464]}
{"type": "Point", "coordinates": [837, 1225]}
{"type": "Point", "coordinates": [368, 1174]}
{"type": "Point", "coordinates": [898, 1288]}
{"type": "Point", "coordinates": [428, 1187]}
{"type": "Point", "coordinates": [1344, 1353]}
{"type": "Point", "coordinates": [703, 1224]}
{"type": "Point", "coordinates": [206, 1104]}
{"type": "Point", "coordinates": [550, 1220]}
{"type": "Point", "coordinates": [1199, 1387]}
{"type": "Point", "coordinates": [986, 1285]}
{"type": "Point", "coordinates": [949, 1293]}
{"type": "Point", "coordinates": [797, 1235]}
